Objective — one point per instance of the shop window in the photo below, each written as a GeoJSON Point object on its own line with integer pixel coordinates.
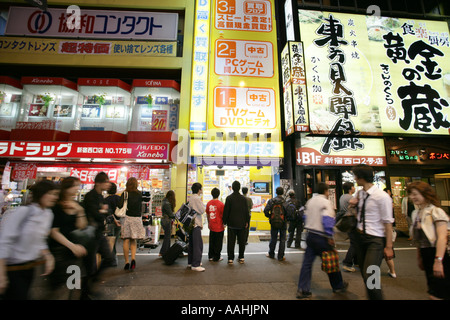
{"type": "Point", "coordinates": [10, 97]}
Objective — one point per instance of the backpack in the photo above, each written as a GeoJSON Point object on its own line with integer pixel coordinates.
{"type": "Point", "coordinates": [277, 218]}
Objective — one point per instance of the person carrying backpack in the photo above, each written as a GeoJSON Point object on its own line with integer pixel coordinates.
{"type": "Point", "coordinates": [294, 215]}
{"type": "Point", "coordinates": [276, 213]}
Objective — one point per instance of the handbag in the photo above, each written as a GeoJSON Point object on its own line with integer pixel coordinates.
{"type": "Point", "coordinates": [348, 222]}
{"type": "Point", "coordinates": [330, 261]}
{"type": "Point", "coordinates": [84, 237]}
{"type": "Point", "coordinates": [186, 216]}
{"type": "Point", "coordinates": [122, 212]}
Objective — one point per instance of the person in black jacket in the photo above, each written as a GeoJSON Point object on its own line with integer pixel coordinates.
{"type": "Point", "coordinates": [168, 207]}
{"type": "Point", "coordinates": [237, 218]}
{"type": "Point", "coordinates": [113, 222]}
{"type": "Point", "coordinates": [132, 227]}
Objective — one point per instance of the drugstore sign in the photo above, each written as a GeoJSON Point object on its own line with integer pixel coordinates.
{"type": "Point", "coordinates": [65, 150]}
{"type": "Point", "coordinates": [100, 24]}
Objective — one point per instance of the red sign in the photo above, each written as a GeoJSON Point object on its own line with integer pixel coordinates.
{"type": "Point", "coordinates": [149, 151]}
{"type": "Point", "coordinates": [87, 175]}
{"type": "Point", "coordinates": [159, 120]}
{"type": "Point", "coordinates": [24, 171]}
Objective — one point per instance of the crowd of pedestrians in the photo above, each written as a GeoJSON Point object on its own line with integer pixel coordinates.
{"type": "Point", "coordinates": [59, 232]}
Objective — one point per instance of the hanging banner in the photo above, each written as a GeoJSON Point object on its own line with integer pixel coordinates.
{"type": "Point", "coordinates": [87, 175]}
{"type": "Point", "coordinates": [24, 171]}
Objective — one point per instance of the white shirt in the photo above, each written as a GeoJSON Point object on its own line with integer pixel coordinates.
{"type": "Point", "coordinates": [196, 203]}
{"type": "Point", "coordinates": [378, 211]}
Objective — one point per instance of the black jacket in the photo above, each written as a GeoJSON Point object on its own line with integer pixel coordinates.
{"type": "Point", "coordinates": [92, 204]}
{"type": "Point", "coordinates": [134, 203]}
{"type": "Point", "coordinates": [235, 212]}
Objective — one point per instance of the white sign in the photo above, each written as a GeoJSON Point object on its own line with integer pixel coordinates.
{"type": "Point", "coordinates": [99, 24]}
{"type": "Point", "coordinates": [250, 108]}
{"type": "Point", "coordinates": [244, 58]}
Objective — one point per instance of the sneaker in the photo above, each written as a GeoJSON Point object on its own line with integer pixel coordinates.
{"type": "Point", "coordinates": [343, 289]}
{"type": "Point", "coordinates": [268, 255]}
{"type": "Point", "coordinates": [302, 295]}
{"type": "Point", "coordinates": [241, 261]}
{"type": "Point", "coordinates": [392, 275]}
{"type": "Point", "coordinates": [282, 259]}
{"type": "Point", "coordinates": [348, 269]}
{"type": "Point", "coordinates": [200, 269]}
{"type": "Point", "coordinates": [230, 261]}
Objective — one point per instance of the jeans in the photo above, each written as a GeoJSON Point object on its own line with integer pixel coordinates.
{"type": "Point", "coordinates": [241, 235]}
{"type": "Point", "coordinates": [316, 244]}
{"type": "Point", "coordinates": [195, 250]}
{"type": "Point", "coordinates": [273, 242]}
{"type": "Point", "coordinates": [369, 252]}
{"type": "Point", "coordinates": [295, 225]}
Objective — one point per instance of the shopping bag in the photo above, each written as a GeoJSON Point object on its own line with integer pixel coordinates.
{"type": "Point", "coordinates": [330, 261]}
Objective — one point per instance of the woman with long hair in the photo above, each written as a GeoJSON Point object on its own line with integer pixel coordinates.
{"type": "Point", "coordinates": [69, 216]}
{"type": "Point", "coordinates": [168, 208]}
{"type": "Point", "coordinates": [132, 227]}
{"type": "Point", "coordinates": [429, 230]}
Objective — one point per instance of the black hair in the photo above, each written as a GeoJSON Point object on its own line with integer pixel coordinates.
{"type": "Point", "coordinates": [347, 187]}
{"type": "Point", "coordinates": [65, 184]}
{"type": "Point", "coordinates": [215, 193]}
{"type": "Point", "coordinates": [101, 177]}
{"type": "Point", "coordinates": [322, 187]}
{"type": "Point", "coordinates": [244, 190]}
{"type": "Point", "coordinates": [279, 191]}
{"type": "Point", "coordinates": [113, 188]}
{"type": "Point", "coordinates": [39, 189]}
{"type": "Point", "coordinates": [363, 171]}
{"type": "Point", "coordinates": [196, 187]}
{"type": "Point", "coordinates": [236, 186]}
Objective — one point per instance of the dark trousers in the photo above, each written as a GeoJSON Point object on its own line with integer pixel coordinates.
{"type": "Point", "coordinates": [350, 257]}
{"type": "Point", "coordinates": [274, 239]}
{"type": "Point", "coordinates": [19, 284]}
{"type": "Point", "coordinates": [295, 232]}
{"type": "Point", "coordinates": [241, 236]}
{"type": "Point", "coordinates": [167, 227]}
{"type": "Point", "coordinates": [437, 287]}
{"type": "Point", "coordinates": [370, 252]}
{"type": "Point", "coordinates": [195, 249]}
{"type": "Point", "coordinates": [215, 245]}
{"type": "Point", "coordinates": [316, 244]}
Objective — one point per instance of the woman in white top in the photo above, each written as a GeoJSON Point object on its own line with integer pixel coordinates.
{"type": "Point", "coordinates": [429, 229]}
{"type": "Point", "coordinates": [23, 241]}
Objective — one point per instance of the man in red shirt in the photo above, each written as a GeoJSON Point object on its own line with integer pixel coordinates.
{"type": "Point", "coordinates": [214, 212]}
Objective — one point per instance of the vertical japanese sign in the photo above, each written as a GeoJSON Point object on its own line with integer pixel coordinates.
{"type": "Point", "coordinates": [243, 83]}
{"type": "Point", "coordinates": [199, 85]}
{"type": "Point", "coordinates": [370, 75]}
{"type": "Point", "coordinates": [287, 91]}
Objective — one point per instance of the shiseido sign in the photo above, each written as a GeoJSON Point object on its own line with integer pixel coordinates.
{"type": "Point", "coordinates": [99, 24]}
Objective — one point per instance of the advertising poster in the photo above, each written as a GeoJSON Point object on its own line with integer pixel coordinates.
{"type": "Point", "coordinates": [62, 111]}
{"type": "Point", "coordinates": [38, 110]}
{"type": "Point", "coordinates": [370, 75]}
{"type": "Point", "coordinates": [159, 120]}
{"type": "Point", "coordinates": [91, 111]}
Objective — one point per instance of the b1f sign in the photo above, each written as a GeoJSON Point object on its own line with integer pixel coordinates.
{"type": "Point", "coordinates": [99, 24]}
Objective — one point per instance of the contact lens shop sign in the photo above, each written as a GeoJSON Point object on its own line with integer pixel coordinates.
{"type": "Point", "coordinates": [371, 75]}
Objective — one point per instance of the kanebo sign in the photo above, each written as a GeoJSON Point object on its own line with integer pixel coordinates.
{"type": "Point", "coordinates": [99, 24]}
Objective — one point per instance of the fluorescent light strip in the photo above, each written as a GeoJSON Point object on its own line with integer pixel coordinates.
{"type": "Point", "coordinates": [39, 159]}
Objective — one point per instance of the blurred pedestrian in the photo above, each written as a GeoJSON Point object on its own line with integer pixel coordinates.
{"type": "Point", "coordinates": [132, 228]}
{"type": "Point", "coordinates": [294, 218]}
{"type": "Point", "coordinates": [276, 212]}
{"type": "Point", "coordinates": [195, 250]}
{"type": "Point", "coordinates": [319, 221]}
{"type": "Point", "coordinates": [390, 262]}
{"type": "Point", "coordinates": [214, 214]}
{"type": "Point", "coordinates": [250, 206]}
{"type": "Point", "coordinates": [429, 231]}
{"type": "Point", "coordinates": [23, 242]}
{"type": "Point", "coordinates": [374, 228]}
{"type": "Point", "coordinates": [96, 212]}
{"type": "Point", "coordinates": [350, 258]}
{"type": "Point", "coordinates": [168, 208]}
{"type": "Point", "coordinates": [113, 222]}
{"type": "Point", "coordinates": [69, 216]}
{"type": "Point", "coordinates": [237, 219]}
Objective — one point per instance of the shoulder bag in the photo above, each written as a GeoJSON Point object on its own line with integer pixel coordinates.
{"type": "Point", "coordinates": [122, 212]}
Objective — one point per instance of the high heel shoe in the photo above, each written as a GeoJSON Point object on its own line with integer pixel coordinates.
{"type": "Point", "coordinates": [127, 266]}
{"type": "Point", "coordinates": [133, 264]}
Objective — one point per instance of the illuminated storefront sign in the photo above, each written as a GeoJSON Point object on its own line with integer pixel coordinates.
{"type": "Point", "coordinates": [100, 24]}
{"type": "Point", "coordinates": [200, 64]}
{"type": "Point", "coordinates": [209, 148]}
{"type": "Point", "coordinates": [243, 89]}
{"type": "Point", "coordinates": [370, 75]}
{"type": "Point", "coordinates": [294, 88]}
{"type": "Point", "coordinates": [417, 151]}
{"type": "Point", "coordinates": [371, 153]}
{"type": "Point", "coordinates": [65, 150]}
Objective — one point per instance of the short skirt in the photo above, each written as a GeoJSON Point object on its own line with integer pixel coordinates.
{"type": "Point", "coordinates": [132, 228]}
